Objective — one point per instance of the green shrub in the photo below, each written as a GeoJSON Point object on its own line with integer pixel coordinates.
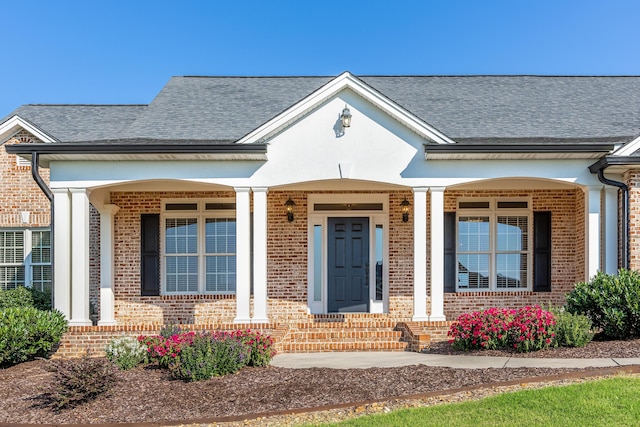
{"type": "Point", "coordinates": [572, 330]}
{"type": "Point", "coordinates": [209, 355]}
{"type": "Point", "coordinates": [126, 352]}
{"type": "Point", "coordinates": [41, 299]}
{"type": "Point", "coordinates": [612, 302]}
{"type": "Point", "coordinates": [80, 380]}
{"type": "Point", "coordinates": [18, 297]}
{"type": "Point", "coordinates": [27, 333]}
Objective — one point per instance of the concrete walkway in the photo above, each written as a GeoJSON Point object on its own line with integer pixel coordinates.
{"type": "Point", "coordinates": [348, 360]}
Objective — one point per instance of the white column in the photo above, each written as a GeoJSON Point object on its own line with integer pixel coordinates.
{"type": "Point", "coordinates": [243, 255]}
{"type": "Point", "coordinates": [62, 251]}
{"type": "Point", "coordinates": [592, 244]}
{"type": "Point", "coordinates": [611, 230]}
{"type": "Point", "coordinates": [437, 254]}
{"type": "Point", "coordinates": [107, 300]}
{"type": "Point", "coordinates": [79, 258]}
{"type": "Point", "coordinates": [420, 254]}
{"type": "Point", "coordinates": [260, 255]}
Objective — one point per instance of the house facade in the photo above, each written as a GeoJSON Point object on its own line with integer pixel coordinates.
{"type": "Point", "coordinates": [336, 212]}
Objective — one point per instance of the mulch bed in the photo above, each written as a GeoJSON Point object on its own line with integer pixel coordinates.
{"type": "Point", "coordinates": [148, 394]}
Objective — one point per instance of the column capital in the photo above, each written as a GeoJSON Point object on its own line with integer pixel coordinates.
{"type": "Point", "coordinates": [242, 189]}
{"type": "Point", "coordinates": [109, 209]}
{"type": "Point", "coordinates": [79, 191]}
{"type": "Point", "coordinates": [437, 189]}
{"type": "Point", "coordinates": [260, 189]}
{"type": "Point", "coordinates": [420, 189]}
{"type": "Point", "coordinates": [592, 188]}
{"type": "Point", "coordinates": [60, 190]}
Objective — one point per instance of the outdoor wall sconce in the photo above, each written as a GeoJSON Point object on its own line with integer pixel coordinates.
{"type": "Point", "coordinates": [289, 206]}
{"type": "Point", "coordinates": [345, 117]}
{"type": "Point", "coordinates": [405, 210]}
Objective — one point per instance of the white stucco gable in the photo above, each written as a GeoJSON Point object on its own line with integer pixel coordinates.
{"type": "Point", "coordinates": [377, 147]}
{"type": "Point", "coordinates": [345, 81]}
{"type": "Point", "coordinates": [15, 124]}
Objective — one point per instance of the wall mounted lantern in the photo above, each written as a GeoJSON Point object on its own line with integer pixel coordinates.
{"type": "Point", "coordinates": [289, 204]}
{"type": "Point", "coordinates": [345, 117]}
{"type": "Point", "coordinates": [405, 209]}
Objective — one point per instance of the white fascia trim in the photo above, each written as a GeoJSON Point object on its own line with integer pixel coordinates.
{"type": "Point", "coordinates": [628, 149]}
{"type": "Point", "coordinates": [13, 126]}
{"type": "Point", "coordinates": [344, 81]}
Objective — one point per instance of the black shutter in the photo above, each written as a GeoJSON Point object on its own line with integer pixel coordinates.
{"type": "Point", "coordinates": [150, 255]}
{"type": "Point", "coordinates": [542, 251]}
{"type": "Point", "coordinates": [450, 252]}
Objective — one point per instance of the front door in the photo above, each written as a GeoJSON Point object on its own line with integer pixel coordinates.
{"type": "Point", "coordinates": [348, 265]}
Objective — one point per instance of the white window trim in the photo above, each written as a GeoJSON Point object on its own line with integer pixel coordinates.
{"type": "Point", "coordinates": [378, 217]}
{"type": "Point", "coordinates": [201, 214]}
{"type": "Point", "coordinates": [493, 212]}
{"type": "Point", "coordinates": [27, 235]}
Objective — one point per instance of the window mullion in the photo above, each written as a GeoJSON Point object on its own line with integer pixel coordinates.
{"type": "Point", "coordinates": [27, 256]}
{"type": "Point", "coordinates": [201, 253]}
{"type": "Point", "coordinates": [493, 246]}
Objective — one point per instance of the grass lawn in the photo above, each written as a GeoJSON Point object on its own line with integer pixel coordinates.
{"type": "Point", "coordinates": [608, 402]}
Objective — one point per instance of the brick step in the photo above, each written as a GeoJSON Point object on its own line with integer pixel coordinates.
{"type": "Point", "coordinates": [336, 323]}
{"type": "Point", "coordinates": [344, 333]}
{"type": "Point", "coordinates": [310, 347]}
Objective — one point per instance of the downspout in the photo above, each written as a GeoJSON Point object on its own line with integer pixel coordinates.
{"type": "Point", "coordinates": [35, 173]}
{"type": "Point", "coordinates": [625, 214]}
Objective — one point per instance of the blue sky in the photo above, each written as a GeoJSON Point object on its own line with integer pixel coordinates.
{"type": "Point", "coordinates": [123, 52]}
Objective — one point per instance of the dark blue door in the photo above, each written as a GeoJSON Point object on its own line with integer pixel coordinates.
{"type": "Point", "coordinates": [348, 265]}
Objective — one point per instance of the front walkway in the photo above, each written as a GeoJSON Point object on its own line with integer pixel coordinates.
{"type": "Point", "coordinates": [349, 360]}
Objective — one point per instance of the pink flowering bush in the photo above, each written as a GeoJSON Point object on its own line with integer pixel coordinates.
{"type": "Point", "coordinates": [487, 329]}
{"type": "Point", "coordinates": [532, 329]}
{"type": "Point", "coordinates": [165, 349]}
{"type": "Point", "coordinates": [526, 329]}
{"type": "Point", "coordinates": [260, 345]}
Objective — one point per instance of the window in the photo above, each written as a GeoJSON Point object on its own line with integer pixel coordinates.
{"type": "Point", "coordinates": [199, 248]}
{"type": "Point", "coordinates": [25, 259]}
{"type": "Point", "coordinates": [493, 245]}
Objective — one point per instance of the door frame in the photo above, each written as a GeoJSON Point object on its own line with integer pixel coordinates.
{"type": "Point", "coordinates": [317, 292]}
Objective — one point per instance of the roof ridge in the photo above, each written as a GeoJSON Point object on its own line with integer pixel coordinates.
{"type": "Point", "coordinates": [411, 75]}
{"type": "Point", "coordinates": [85, 105]}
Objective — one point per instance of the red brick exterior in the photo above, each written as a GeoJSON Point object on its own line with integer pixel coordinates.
{"type": "Point", "coordinates": [18, 190]}
{"type": "Point", "coordinates": [632, 179]}
{"type": "Point", "coordinates": [287, 259]}
{"type": "Point", "coordinates": [568, 251]}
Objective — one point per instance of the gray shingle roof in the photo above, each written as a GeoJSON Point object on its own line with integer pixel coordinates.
{"type": "Point", "coordinates": [219, 108]}
{"type": "Point", "coordinates": [466, 108]}
{"type": "Point", "coordinates": [79, 122]}
{"type": "Point", "coordinates": [520, 106]}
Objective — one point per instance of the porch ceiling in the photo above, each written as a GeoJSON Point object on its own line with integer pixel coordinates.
{"type": "Point", "coordinates": [340, 185]}
{"type": "Point", "coordinates": [514, 184]}
{"type": "Point", "coordinates": [166, 185]}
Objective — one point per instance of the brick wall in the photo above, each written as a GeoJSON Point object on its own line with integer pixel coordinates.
{"type": "Point", "coordinates": [132, 308]}
{"type": "Point", "coordinates": [19, 192]}
{"type": "Point", "coordinates": [567, 260]}
{"type": "Point", "coordinates": [632, 179]}
{"type": "Point", "coordinates": [287, 259]}
{"type": "Point", "coordinates": [94, 264]}
{"type": "Point", "coordinates": [400, 257]}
